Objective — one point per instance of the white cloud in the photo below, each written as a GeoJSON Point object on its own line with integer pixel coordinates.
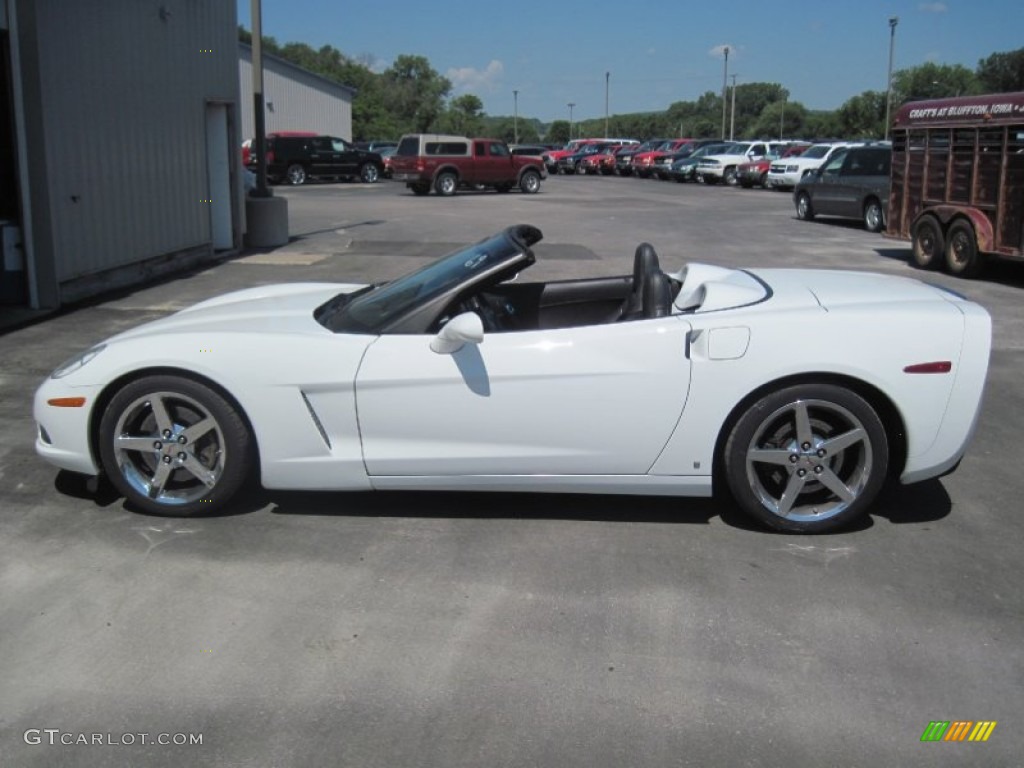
{"type": "Point", "coordinates": [932, 7]}
{"type": "Point", "coordinates": [933, 56]}
{"type": "Point", "coordinates": [718, 51]}
{"type": "Point", "coordinates": [471, 79]}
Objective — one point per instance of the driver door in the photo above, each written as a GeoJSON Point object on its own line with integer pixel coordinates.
{"type": "Point", "coordinates": [600, 399]}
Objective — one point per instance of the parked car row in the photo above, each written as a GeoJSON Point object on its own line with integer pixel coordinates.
{"type": "Point", "coordinates": [294, 157]}
{"type": "Point", "coordinates": [845, 179]}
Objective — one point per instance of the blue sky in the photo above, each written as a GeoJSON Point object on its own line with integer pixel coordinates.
{"type": "Point", "coordinates": [657, 51]}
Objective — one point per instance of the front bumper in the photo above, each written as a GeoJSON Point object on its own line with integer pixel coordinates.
{"type": "Point", "coordinates": [62, 434]}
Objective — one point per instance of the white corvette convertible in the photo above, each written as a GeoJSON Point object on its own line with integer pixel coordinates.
{"type": "Point", "coordinates": [800, 391]}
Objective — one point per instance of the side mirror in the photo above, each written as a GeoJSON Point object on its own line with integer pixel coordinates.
{"type": "Point", "coordinates": [463, 329]}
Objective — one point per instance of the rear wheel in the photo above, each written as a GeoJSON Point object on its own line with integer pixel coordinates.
{"type": "Point", "coordinates": [927, 243]}
{"type": "Point", "coordinates": [174, 446]}
{"type": "Point", "coordinates": [295, 174]}
{"type": "Point", "coordinates": [807, 459]}
{"type": "Point", "coordinates": [804, 209]}
{"type": "Point", "coordinates": [446, 183]}
{"type": "Point", "coordinates": [962, 257]}
{"type": "Point", "coordinates": [874, 220]}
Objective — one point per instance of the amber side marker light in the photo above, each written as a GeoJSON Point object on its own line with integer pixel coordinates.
{"type": "Point", "coordinates": [66, 402]}
{"type": "Point", "coordinates": [940, 366]}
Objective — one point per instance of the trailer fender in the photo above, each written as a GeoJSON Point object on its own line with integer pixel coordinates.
{"type": "Point", "coordinates": [982, 226]}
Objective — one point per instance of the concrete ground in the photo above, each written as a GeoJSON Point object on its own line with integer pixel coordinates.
{"type": "Point", "coordinates": [511, 630]}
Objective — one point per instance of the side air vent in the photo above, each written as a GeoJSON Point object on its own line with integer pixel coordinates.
{"type": "Point", "coordinates": [316, 420]}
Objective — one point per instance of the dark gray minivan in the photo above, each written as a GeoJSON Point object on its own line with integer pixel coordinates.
{"type": "Point", "coordinates": [853, 184]}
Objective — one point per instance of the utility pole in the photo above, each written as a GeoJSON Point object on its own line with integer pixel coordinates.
{"type": "Point", "coordinates": [732, 118]}
{"type": "Point", "coordinates": [571, 105]}
{"type": "Point", "coordinates": [607, 77]}
{"type": "Point", "coordinates": [893, 21]}
{"type": "Point", "coordinates": [725, 89]}
{"type": "Point", "coordinates": [782, 118]}
{"type": "Point", "coordinates": [515, 117]}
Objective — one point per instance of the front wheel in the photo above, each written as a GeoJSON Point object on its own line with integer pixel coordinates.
{"type": "Point", "coordinates": [729, 177]}
{"type": "Point", "coordinates": [807, 459]}
{"type": "Point", "coordinates": [446, 184]}
{"type": "Point", "coordinates": [174, 447]}
{"type": "Point", "coordinates": [874, 219]}
{"type": "Point", "coordinates": [927, 244]}
{"type": "Point", "coordinates": [368, 173]}
{"type": "Point", "coordinates": [804, 209]}
{"type": "Point", "coordinates": [295, 174]}
{"type": "Point", "coordinates": [962, 257]}
{"type": "Point", "coordinates": [529, 182]}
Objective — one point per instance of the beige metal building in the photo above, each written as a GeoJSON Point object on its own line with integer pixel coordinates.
{"type": "Point", "coordinates": [296, 99]}
{"type": "Point", "coordinates": [119, 135]}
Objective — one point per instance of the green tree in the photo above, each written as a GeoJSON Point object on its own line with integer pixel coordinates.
{"type": "Point", "coordinates": [416, 93]}
{"type": "Point", "coordinates": [863, 116]}
{"type": "Point", "coordinates": [464, 116]}
{"type": "Point", "coordinates": [1002, 72]}
{"type": "Point", "coordinates": [933, 81]}
{"type": "Point", "coordinates": [558, 132]}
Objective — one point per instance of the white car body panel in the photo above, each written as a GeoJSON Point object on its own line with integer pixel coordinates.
{"type": "Point", "coordinates": [592, 400]}
{"type": "Point", "coordinates": [630, 407]}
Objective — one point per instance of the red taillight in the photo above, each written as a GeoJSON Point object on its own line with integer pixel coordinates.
{"type": "Point", "coordinates": [421, 166]}
{"type": "Point", "coordinates": [939, 366]}
{"type": "Point", "coordinates": [270, 156]}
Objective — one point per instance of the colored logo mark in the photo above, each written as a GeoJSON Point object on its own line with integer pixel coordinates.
{"type": "Point", "coordinates": [958, 730]}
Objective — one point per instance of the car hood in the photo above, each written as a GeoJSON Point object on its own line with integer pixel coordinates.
{"type": "Point", "coordinates": [284, 308]}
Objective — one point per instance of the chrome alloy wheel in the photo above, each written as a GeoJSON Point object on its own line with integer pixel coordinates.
{"type": "Point", "coordinates": [169, 448]}
{"type": "Point", "coordinates": [809, 461]}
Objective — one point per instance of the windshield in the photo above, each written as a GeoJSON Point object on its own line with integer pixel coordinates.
{"type": "Point", "coordinates": [371, 310]}
{"type": "Point", "coordinates": [818, 150]}
{"type": "Point", "coordinates": [736, 149]}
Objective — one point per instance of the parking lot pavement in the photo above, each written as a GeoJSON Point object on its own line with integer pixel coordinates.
{"type": "Point", "coordinates": [491, 630]}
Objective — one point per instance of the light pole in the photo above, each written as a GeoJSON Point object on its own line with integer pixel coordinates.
{"type": "Point", "coordinates": [782, 118]}
{"type": "Point", "coordinates": [732, 118]}
{"type": "Point", "coordinates": [607, 77]}
{"type": "Point", "coordinates": [725, 88]}
{"type": "Point", "coordinates": [571, 105]}
{"type": "Point", "coordinates": [515, 117]}
{"type": "Point", "coordinates": [893, 21]}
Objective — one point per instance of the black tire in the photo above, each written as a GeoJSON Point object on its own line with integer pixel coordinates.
{"type": "Point", "coordinates": [804, 209]}
{"type": "Point", "coordinates": [962, 256]}
{"type": "Point", "coordinates": [763, 180]}
{"type": "Point", "coordinates": [369, 173]}
{"type": "Point", "coordinates": [874, 217]}
{"type": "Point", "coordinates": [420, 189]}
{"type": "Point", "coordinates": [729, 177]}
{"type": "Point", "coordinates": [296, 174]}
{"type": "Point", "coordinates": [529, 182]}
{"type": "Point", "coordinates": [179, 474]}
{"type": "Point", "coordinates": [581, 169]}
{"type": "Point", "coordinates": [927, 244]}
{"type": "Point", "coordinates": [446, 183]}
{"type": "Point", "coordinates": [780, 446]}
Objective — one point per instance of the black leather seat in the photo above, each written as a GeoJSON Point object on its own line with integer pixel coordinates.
{"type": "Point", "coordinates": [657, 295]}
{"type": "Point", "coordinates": [645, 263]}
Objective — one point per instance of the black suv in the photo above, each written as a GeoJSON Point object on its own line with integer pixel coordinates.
{"type": "Point", "coordinates": [294, 159]}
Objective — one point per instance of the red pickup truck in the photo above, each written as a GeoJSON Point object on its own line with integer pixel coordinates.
{"type": "Point", "coordinates": [444, 163]}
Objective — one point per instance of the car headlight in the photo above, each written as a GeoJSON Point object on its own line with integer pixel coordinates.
{"type": "Point", "coordinates": [76, 362]}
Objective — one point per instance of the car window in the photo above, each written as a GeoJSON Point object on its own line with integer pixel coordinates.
{"type": "Point", "coordinates": [321, 144]}
{"type": "Point", "coordinates": [835, 162]}
{"type": "Point", "coordinates": [498, 149]}
{"type": "Point", "coordinates": [340, 145]}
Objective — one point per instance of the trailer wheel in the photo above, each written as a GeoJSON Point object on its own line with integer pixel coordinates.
{"type": "Point", "coordinates": [962, 257]}
{"type": "Point", "coordinates": [927, 243]}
